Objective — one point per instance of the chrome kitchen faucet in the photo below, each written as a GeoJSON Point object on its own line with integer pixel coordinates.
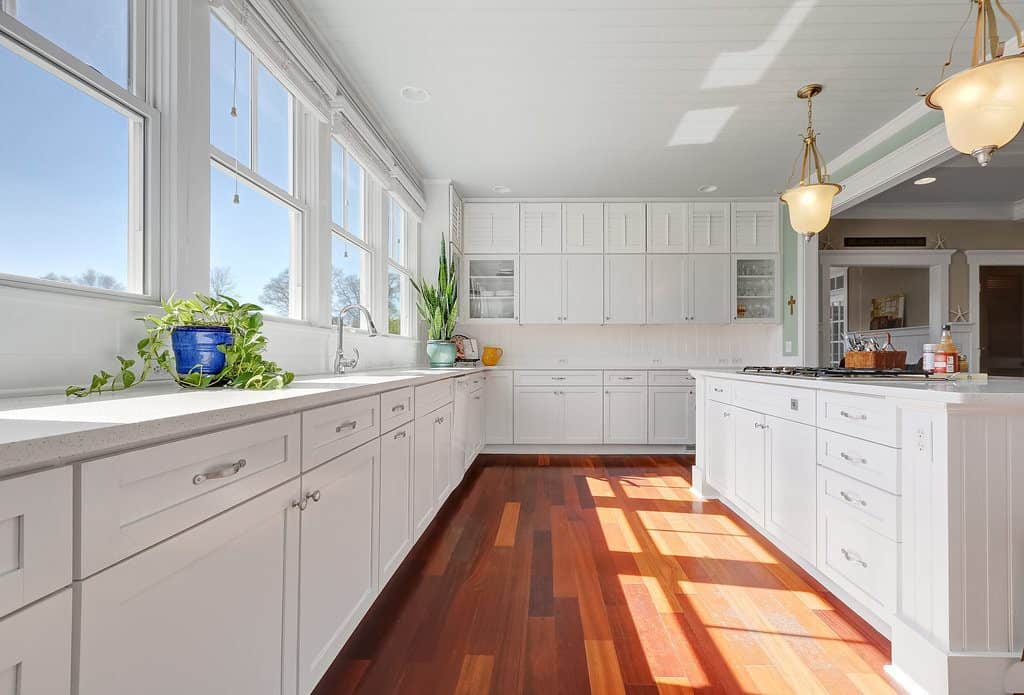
{"type": "Point", "coordinates": [341, 363]}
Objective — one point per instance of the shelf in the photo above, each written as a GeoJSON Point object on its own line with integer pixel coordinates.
{"type": "Point", "coordinates": [755, 277]}
{"type": "Point", "coordinates": [754, 296]}
{"type": "Point", "coordinates": [479, 298]}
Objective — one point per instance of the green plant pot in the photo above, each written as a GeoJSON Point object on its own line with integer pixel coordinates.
{"type": "Point", "coordinates": [441, 353]}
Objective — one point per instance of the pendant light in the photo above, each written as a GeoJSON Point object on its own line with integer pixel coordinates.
{"type": "Point", "coordinates": [984, 104]}
{"type": "Point", "coordinates": [810, 204]}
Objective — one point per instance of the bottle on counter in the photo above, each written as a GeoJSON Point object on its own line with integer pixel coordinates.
{"type": "Point", "coordinates": [946, 354]}
{"type": "Point", "coordinates": [928, 357]}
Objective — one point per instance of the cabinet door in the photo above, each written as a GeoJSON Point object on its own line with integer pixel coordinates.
{"type": "Point", "coordinates": [490, 227]}
{"type": "Point", "coordinates": [583, 289]}
{"type": "Point", "coordinates": [462, 428]}
{"type": "Point", "coordinates": [394, 513]}
{"type": "Point", "coordinates": [209, 611]}
{"type": "Point", "coordinates": [423, 498]}
{"type": "Point", "coordinates": [709, 228]}
{"type": "Point", "coordinates": [540, 290]}
{"type": "Point", "coordinates": [478, 410]}
{"type": "Point", "coordinates": [755, 288]}
{"type": "Point", "coordinates": [539, 416]}
{"type": "Point", "coordinates": [711, 295]}
{"type": "Point", "coordinates": [582, 227]}
{"type": "Point", "coordinates": [792, 491]}
{"type": "Point", "coordinates": [668, 228]}
{"type": "Point", "coordinates": [498, 397]}
{"type": "Point", "coordinates": [755, 227]}
{"type": "Point", "coordinates": [625, 415]}
{"type": "Point", "coordinates": [583, 409]}
{"type": "Point", "coordinates": [624, 289]}
{"type": "Point", "coordinates": [35, 648]}
{"type": "Point", "coordinates": [750, 459]}
{"type": "Point", "coordinates": [668, 289]}
{"type": "Point", "coordinates": [720, 468]}
{"type": "Point", "coordinates": [490, 289]}
{"type": "Point", "coordinates": [690, 437]}
{"type": "Point", "coordinates": [668, 415]}
{"type": "Point", "coordinates": [443, 479]}
{"type": "Point", "coordinates": [540, 228]}
{"type": "Point", "coordinates": [625, 227]}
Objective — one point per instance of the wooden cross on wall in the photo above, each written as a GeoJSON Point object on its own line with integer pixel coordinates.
{"type": "Point", "coordinates": [791, 303]}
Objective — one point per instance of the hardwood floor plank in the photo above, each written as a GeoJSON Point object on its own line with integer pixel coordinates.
{"type": "Point", "coordinates": [506, 537]}
{"type": "Point", "coordinates": [603, 667]}
{"type": "Point", "coordinates": [570, 652]}
{"type": "Point", "coordinates": [475, 677]}
{"type": "Point", "coordinates": [541, 590]}
{"type": "Point", "coordinates": [541, 671]}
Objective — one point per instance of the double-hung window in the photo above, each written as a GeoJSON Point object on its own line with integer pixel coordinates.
{"type": "Point", "coordinates": [351, 248]}
{"type": "Point", "coordinates": [75, 140]}
{"type": "Point", "coordinates": [401, 258]}
{"type": "Point", "coordinates": [255, 217]}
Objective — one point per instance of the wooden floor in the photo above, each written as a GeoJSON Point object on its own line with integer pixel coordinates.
{"type": "Point", "coordinates": [603, 574]}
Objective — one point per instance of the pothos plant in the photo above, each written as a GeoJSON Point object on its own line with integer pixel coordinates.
{"type": "Point", "coordinates": [244, 367]}
{"type": "Point", "coordinates": [439, 305]}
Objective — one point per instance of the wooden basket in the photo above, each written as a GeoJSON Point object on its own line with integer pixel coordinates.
{"type": "Point", "coordinates": [892, 359]}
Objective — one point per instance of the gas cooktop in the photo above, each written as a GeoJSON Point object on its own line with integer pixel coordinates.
{"type": "Point", "coordinates": [841, 373]}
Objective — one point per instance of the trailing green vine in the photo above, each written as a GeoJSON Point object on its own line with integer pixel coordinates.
{"type": "Point", "coordinates": [244, 368]}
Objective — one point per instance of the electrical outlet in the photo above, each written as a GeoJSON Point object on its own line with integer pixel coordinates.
{"type": "Point", "coordinates": [723, 360]}
{"type": "Point", "coordinates": [656, 362]}
{"type": "Point", "coordinates": [737, 360]}
{"type": "Point", "coordinates": [922, 439]}
{"type": "Point", "coordinates": [789, 346]}
{"type": "Point", "coordinates": [563, 360]}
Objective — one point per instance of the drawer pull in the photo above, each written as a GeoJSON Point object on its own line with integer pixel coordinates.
{"type": "Point", "coordinates": [401, 435]}
{"type": "Point", "coordinates": [558, 378]}
{"type": "Point", "coordinates": [439, 420]}
{"type": "Point", "coordinates": [846, 415]}
{"type": "Point", "coordinates": [625, 378]}
{"type": "Point", "coordinates": [350, 425]}
{"type": "Point", "coordinates": [718, 390]}
{"type": "Point", "coordinates": [726, 413]}
{"type": "Point", "coordinates": [476, 398]}
{"type": "Point", "coordinates": [760, 426]}
{"type": "Point", "coordinates": [398, 408]}
{"type": "Point", "coordinates": [852, 459]}
{"type": "Point", "coordinates": [223, 472]}
{"type": "Point", "coordinates": [300, 504]}
{"type": "Point", "coordinates": [853, 499]}
{"type": "Point", "coordinates": [853, 557]}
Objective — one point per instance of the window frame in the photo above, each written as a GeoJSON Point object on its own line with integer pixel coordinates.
{"type": "Point", "coordinates": [406, 272]}
{"type": "Point", "coordinates": [335, 229]}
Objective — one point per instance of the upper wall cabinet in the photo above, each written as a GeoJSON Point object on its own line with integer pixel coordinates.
{"type": "Point", "coordinates": [625, 227]}
{"type": "Point", "coordinates": [755, 227]}
{"type": "Point", "coordinates": [709, 227]}
{"type": "Point", "coordinates": [668, 228]}
{"type": "Point", "coordinates": [582, 227]}
{"type": "Point", "coordinates": [540, 228]}
{"type": "Point", "coordinates": [490, 227]}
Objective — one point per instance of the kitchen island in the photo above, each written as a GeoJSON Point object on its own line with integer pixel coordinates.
{"type": "Point", "coordinates": [905, 498]}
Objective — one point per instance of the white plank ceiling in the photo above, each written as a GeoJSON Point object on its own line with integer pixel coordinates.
{"type": "Point", "coordinates": [646, 98]}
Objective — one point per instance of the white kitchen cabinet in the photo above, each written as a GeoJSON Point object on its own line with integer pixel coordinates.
{"type": "Point", "coordinates": [581, 408]}
{"type": "Point", "coordinates": [394, 513]}
{"type": "Point", "coordinates": [462, 419]}
{"type": "Point", "coordinates": [756, 286]}
{"type": "Point", "coordinates": [541, 289]}
{"type": "Point", "coordinates": [625, 415]}
{"type": "Point", "coordinates": [749, 448]}
{"type": "Point", "coordinates": [755, 227]}
{"type": "Point", "coordinates": [710, 228]}
{"type": "Point", "coordinates": [720, 430]}
{"type": "Point", "coordinates": [791, 485]}
{"type": "Point", "coordinates": [668, 227]}
{"type": "Point", "coordinates": [35, 648]}
{"type": "Point", "coordinates": [582, 227]}
{"type": "Point", "coordinates": [209, 611]}
{"type": "Point", "coordinates": [624, 288]}
{"type": "Point", "coordinates": [582, 289]}
{"type": "Point", "coordinates": [670, 415]}
{"type": "Point", "coordinates": [625, 227]}
{"type": "Point", "coordinates": [688, 288]}
{"type": "Point", "coordinates": [475, 439]}
{"type": "Point", "coordinates": [432, 478]}
{"type": "Point", "coordinates": [443, 480]}
{"type": "Point", "coordinates": [490, 289]}
{"type": "Point", "coordinates": [711, 295]}
{"type": "Point", "coordinates": [338, 568]}
{"type": "Point", "coordinates": [540, 228]}
{"type": "Point", "coordinates": [498, 407]}
{"type": "Point", "coordinates": [490, 227]}
{"type": "Point", "coordinates": [566, 415]}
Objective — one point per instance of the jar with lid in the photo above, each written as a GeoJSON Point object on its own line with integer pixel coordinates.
{"type": "Point", "coordinates": [928, 358]}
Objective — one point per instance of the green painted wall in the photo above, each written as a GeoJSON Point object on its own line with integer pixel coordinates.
{"type": "Point", "coordinates": [790, 272]}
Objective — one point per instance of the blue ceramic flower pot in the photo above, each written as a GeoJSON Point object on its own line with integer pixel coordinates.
{"type": "Point", "coordinates": [195, 348]}
{"type": "Point", "coordinates": [441, 353]}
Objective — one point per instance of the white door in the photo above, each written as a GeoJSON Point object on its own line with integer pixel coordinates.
{"type": "Point", "coordinates": [625, 227]}
{"type": "Point", "coordinates": [668, 289]}
{"type": "Point", "coordinates": [582, 227]}
{"type": "Point", "coordinates": [750, 460]}
{"type": "Point", "coordinates": [209, 611]}
{"type": "Point", "coordinates": [423, 499]}
{"type": "Point", "coordinates": [540, 289]}
{"type": "Point", "coordinates": [338, 569]}
{"type": "Point", "coordinates": [394, 513]}
{"type": "Point", "coordinates": [35, 648]}
{"type": "Point", "coordinates": [720, 468]}
{"type": "Point", "coordinates": [490, 289]}
{"type": "Point", "coordinates": [691, 417]}
{"type": "Point", "coordinates": [478, 416]}
{"type": "Point", "coordinates": [624, 288]}
{"type": "Point", "coordinates": [711, 283]}
{"type": "Point", "coordinates": [583, 409]}
{"type": "Point", "coordinates": [539, 415]}
{"type": "Point", "coordinates": [583, 289]}
{"type": "Point", "coordinates": [498, 397]}
{"type": "Point", "coordinates": [755, 227]}
{"type": "Point", "coordinates": [755, 288]}
{"type": "Point", "coordinates": [443, 481]}
{"type": "Point", "coordinates": [462, 428]}
{"type": "Point", "coordinates": [540, 228]}
{"type": "Point", "coordinates": [668, 415]}
{"type": "Point", "coordinates": [490, 227]}
{"type": "Point", "coordinates": [625, 415]}
{"type": "Point", "coordinates": [790, 511]}
{"type": "Point", "coordinates": [668, 227]}
{"type": "Point", "coordinates": [709, 228]}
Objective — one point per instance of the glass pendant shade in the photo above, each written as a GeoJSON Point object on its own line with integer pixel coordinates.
{"type": "Point", "coordinates": [810, 206]}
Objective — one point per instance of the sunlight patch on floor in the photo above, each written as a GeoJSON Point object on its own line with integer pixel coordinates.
{"type": "Point", "coordinates": [599, 487]}
{"type": "Point", "coordinates": [617, 532]}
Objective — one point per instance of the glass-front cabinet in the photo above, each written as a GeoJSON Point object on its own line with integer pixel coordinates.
{"type": "Point", "coordinates": [756, 288]}
{"type": "Point", "coordinates": [490, 289]}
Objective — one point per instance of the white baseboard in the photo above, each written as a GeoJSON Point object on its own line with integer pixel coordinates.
{"type": "Point", "coordinates": [595, 449]}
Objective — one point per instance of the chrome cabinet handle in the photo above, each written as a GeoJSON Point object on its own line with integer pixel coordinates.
{"type": "Point", "coordinates": [726, 413]}
{"type": "Point", "coordinates": [558, 378]}
{"type": "Point", "coordinates": [718, 390]}
{"type": "Point", "coordinates": [852, 499]}
{"type": "Point", "coordinates": [350, 425]}
{"type": "Point", "coordinates": [852, 459]}
{"type": "Point", "coordinates": [853, 557]}
{"type": "Point", "coordinates": [313, 496]}
{"type": "Point", "coordinates": [219, 473]}
{"type": "Point", "coordinates": [846, 415]}
{"type": "Point", "coordinates": [401, 435]}
{"type": "Point", "coordinates": [439, 420]}
{"type": "Point", "coordinates": [760, 426]}
{"type": "Point", "coordinates": [300, 504]}
{"type": "Point", "coordinates": [398, 408]}
{"type": "Point", "coordinates": [625, 378]}
{"type": "Point", "coordinates": [476, 398]}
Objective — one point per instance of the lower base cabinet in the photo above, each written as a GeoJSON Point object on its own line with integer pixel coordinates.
{"type": "Point", "coordinates": [394, 513]}
{"type": "Point", "coordinates": [431, 466]}
{"type": "Point", "coordinates": [498, 398]}
{"type": "Point", "coordinates": [720, 431]}
{"type": "Point", "coordinates": [670, 412]}
{"type": "Point", "coordinates": [35, 648]}
{"type": "Point", "coordinates": [625, 415]}
{"type": "Point", "coordinates": [749, 457]}
{"type": "Point", "coordinates": [791, 485]}
{"type": "Point", "coordinates": [569, 415]}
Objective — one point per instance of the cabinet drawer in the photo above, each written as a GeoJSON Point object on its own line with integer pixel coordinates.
{"type": "Point", "coordinates": [396, 408]}
{"type": "Point", "coordinates": [860, 416]}
{"type": "Point", "coordinates": [430, 397]}
{"type": "Point", "coordinates": [35, 648]}
{"type": "Point", "coordinates": [134, 500]}
{"type": "Point", "coordinates": [675, 378]}
{"type": "Point", "coordinates": [719, 390]}
{"type": "Point", "coordinates": [781, 401]}
{"type": "Point", "coordinates": [334, 429]}
{"type": "Point", "coordinates": [555, 378]}
{"type": "Point", "coordinates": [875, 508]}
{"type": "Point", "coordinates": [856, 556]}
{"type": "Point", "coordinates": [876, 464]}
{"type": "Point", "coordinates": [35, 537]}
{"type": "Point", "coordinates": [625, 378]}
{"type": "Point", "coordinates": [476, 381]}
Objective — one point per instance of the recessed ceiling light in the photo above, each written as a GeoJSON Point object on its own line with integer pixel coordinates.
{"type": "Point", "coordinates": [501, 189]}
{"type": "Point", "coordinates": [417, 95]}
{"type": "Point", "coordinates": [925, 181]}
{"type": "Point", "coordinates": [708, 188]}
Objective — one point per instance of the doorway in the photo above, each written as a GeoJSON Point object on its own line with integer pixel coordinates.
{"type": "Point", "coordinates": [1002, 320]}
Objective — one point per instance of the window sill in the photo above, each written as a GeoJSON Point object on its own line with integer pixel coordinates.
{"type": "Point", "coordinates": [62, 288]}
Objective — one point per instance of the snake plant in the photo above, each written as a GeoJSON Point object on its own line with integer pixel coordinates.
{"type": "Point", "coordinates": [438, 305]}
